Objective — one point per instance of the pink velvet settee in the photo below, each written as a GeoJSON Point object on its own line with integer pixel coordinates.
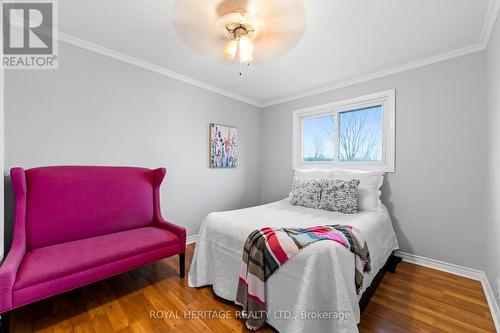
{"type": "Point", "coordinates": [75, 225]}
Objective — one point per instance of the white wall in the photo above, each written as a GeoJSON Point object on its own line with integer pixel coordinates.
{"type": "Point", "coordinates": [492, 230]}
{"type": "Point", "coordinates": [436, 196]}
{"type": "Point", "coordinates": [95, 110]}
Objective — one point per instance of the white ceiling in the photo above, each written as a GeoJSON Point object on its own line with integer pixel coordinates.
{"type": "Point", "coordinates": [344, 40]}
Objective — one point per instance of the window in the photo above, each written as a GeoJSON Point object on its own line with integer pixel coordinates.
{"type": "Point", "coordinates": [317, 139]}
{"type": "Point", "coordinates": [358, 134]}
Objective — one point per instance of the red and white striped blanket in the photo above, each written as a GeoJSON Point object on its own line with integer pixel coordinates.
{"type": "Point", "coordinates": [267, 249]}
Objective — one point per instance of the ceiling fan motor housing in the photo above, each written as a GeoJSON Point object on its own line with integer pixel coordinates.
{"type": "Point", "coordinates": [238, 29]}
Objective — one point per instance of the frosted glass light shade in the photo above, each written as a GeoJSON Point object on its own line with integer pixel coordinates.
{"type": "Point", "coordinates": [245, 49]}
{"type": "Point", "coordinates": [230, 49]}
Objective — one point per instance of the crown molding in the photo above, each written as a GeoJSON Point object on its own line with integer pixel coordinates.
{"type": "Point", "coordinates": [489, 23]}
{"type": "Point", "coordinates": [391, 71]}
{"type": "Point", "coordinates": [95, 48]}
{"type": "Point", "coordinates": [486, 32]}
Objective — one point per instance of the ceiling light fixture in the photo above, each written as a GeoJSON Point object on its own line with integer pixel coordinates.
{"type": "Point", "coordinates": [240, 28]}
{"type": "Point", "coordinates": [246, 31]}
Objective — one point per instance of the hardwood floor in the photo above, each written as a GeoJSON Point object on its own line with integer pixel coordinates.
{"type": "Point", "coordinates": [415, 299]}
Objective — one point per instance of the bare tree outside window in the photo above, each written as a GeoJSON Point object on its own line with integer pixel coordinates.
{"type": "Point", "coordinates": [359, 134]}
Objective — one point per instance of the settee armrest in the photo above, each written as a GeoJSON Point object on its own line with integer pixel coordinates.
{"type": "Point", "coordinates": [8, 273]}
{"type": "Point", "coordinates": [174, 228]}
{"type": "Point", "coordinates": [10, 266]}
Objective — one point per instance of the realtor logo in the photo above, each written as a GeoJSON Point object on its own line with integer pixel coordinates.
{"type": "Point", "coordinates": [29, 35]}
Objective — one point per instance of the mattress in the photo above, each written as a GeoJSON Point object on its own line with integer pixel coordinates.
{"type": "Point", "coordinates": [314, 291]}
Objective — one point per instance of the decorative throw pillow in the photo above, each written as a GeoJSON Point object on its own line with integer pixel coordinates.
{"type": "Point", "coordinates": [369, 187]}
{"type": "Point", "coordinates": [340, 195]}
{"type": "Point", "coordinates": [306, 192]}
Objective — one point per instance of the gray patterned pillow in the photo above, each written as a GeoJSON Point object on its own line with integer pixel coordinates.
{"type": "Point", "coordinates": [340, 195]}
{"type": "Point", "coordinates": [306, 192]}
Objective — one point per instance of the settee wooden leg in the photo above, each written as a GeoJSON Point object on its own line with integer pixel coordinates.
{"type": "Point", "coordinates": [5, 322]}
{"type": "Point", "coordinates": [182, 264]}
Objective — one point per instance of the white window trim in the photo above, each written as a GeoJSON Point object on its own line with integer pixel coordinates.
{"type": "Point", "coordinates": [385, 98]}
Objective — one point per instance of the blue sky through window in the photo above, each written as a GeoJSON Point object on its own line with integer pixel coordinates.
{"type": "Point", "coordinates": [360, 136]}
{"type": "Point", "coordinates": [318, 144]}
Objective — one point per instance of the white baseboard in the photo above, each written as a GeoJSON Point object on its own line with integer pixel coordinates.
{"type": "Point", "coordinates": [467, 272]}
{"type": "Point", "coordinates": [470, 273]}
{"type": "Point", "coordinates": [492, 301]}
{"type": "Point", "coordinates": [191, 239]}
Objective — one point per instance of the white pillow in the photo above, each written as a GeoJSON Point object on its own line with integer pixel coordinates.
{"type": "Point", "coordinates": [369, 186]}
{"type": "Point", "coordinates": [314, 173]}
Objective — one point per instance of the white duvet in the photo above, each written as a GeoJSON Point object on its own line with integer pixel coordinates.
{"type": "Point", "coordinates": [319, 280]}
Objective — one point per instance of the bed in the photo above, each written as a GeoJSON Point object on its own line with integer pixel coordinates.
{"type": "Point", "coordinates": [318, 280]}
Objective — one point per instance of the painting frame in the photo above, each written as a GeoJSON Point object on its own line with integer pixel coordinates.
{"type": "Point", "coordinates": [222, 146]}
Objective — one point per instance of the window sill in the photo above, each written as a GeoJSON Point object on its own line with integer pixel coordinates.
{"type": "Point", "coordinates": [347, 166]}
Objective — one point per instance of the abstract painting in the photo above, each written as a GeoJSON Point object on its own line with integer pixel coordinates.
{"type": "Point", "coordinates": [223, 146]}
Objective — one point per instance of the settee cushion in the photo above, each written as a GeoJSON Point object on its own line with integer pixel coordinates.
{"type": "Point", "coordinates": [55, 261]}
